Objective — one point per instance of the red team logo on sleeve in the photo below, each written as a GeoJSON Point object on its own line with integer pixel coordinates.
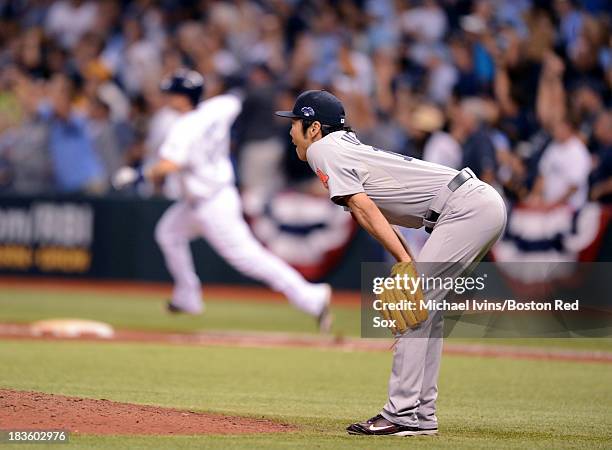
{"type": "Point", "coordinates": [323, 177]}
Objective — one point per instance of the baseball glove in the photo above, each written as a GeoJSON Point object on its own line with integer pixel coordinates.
{"type": "Point", "coordinates": [404, 318]}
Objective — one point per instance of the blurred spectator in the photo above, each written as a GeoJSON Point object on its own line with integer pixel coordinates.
{"type": "Point", "coordinates": [140, 60]}
{"type": "Point", "coordinates": [601, 178]}
{"type": "Point", "coordinates": [516, 78]}
{"type": "Point", "coordinates": [104, 136]}
{"type": "Point", "coordinates": [352, 70]}
{"type": "Point", "coordinates": [442, 78]}
{"type": "Point", "coordinates": [68, 20]}
{"type": "Point", "coordinates": [467, 83]}
{"type": "Point", "coordinates": [269, 48]}
{"type": "Point", "coordinates": [27, 165]}
{"type": "Point", "coordinates": [97, 83]}
{"type": "Point", "coordinates": [11, 112]}
{"type": "Point", "coordinates": [563, 170]}
{"type": "Point", "coordinates": [551, 102]}
{"type": "Point", "coordinates": [260, 146]}
{"type": "Point", "coordinates": [478, 28]}
{"type": "Point", "coordinates": [316, 52]}
{"type": "Point", "coordinates": [382, 30]}
{"type": "Point", "coordinates": [584, 55]}
{"type": "Point", "coordinates": [586, 106]}
{"type": "Point", "coordinates": [570, 22]}
{"type": "Point", "coordinates": [76, 165]}
{"type": "Point", "coordinates": [478, 150]}
{"type": "Point", "coordinates": [441, 147]}
{"type": "Point", "coordinates": [425, 24]}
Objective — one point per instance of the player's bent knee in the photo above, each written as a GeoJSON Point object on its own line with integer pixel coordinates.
{"type": "Point", "coordinates": [164, 236]}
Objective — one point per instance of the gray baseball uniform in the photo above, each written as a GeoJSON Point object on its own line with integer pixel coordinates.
{"type": "Point", "coordinates": [471, 220]}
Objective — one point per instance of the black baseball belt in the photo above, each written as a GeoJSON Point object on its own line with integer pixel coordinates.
{"type": "Point", "coordinates": [438, 203]}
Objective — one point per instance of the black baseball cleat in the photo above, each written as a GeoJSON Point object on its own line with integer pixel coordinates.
{"type": "Point", "coordinates": [173, 309]}
{"type": "Point", "coordinates": [379, 426]}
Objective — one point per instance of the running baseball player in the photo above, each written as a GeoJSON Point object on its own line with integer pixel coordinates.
{"type": "Point", "coordinates": [197, 150]}
{"type": "Point", "coordinates": [464, 215]}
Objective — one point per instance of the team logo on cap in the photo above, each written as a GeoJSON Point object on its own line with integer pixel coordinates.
{"type": "Point", "coordinates": [307, 111]}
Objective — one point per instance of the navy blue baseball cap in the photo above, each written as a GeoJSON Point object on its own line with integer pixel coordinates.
{"type": "Point", "coordinates": [186, 82]}
{"type": "Point", "coordinates": [317, 105]}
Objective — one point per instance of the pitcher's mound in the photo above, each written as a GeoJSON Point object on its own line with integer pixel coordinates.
{"type": "Point", "coordinates": [38, 411]}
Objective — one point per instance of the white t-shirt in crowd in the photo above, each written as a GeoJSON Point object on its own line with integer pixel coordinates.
{"type": "Point", "coordinates": [442, 148]}
{"type": "Point", "coordinates": [563, 165]}
{"type": "Point", "coordinates": [429, 24]}
{"type": "Point", "coordinates": [68, 22]}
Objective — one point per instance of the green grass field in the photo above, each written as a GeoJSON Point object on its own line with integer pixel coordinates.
{"type": "Point", "coordinates": [146, 313]}
{"type": "Point", "coordinates": [484, 402]}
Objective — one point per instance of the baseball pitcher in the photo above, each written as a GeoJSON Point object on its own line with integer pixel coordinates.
{"type": "Point", "coordinates": [464, 215]}
{"type": "Point", "coordinates": [197, 150]}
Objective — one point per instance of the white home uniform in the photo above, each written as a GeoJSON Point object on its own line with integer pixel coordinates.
{"type": "Point", "coordinates": [210, 207]}
{"type": "Point", "coordinates": [471, 218]}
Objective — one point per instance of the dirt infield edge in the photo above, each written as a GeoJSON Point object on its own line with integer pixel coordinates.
{"type": "Point", "coordinates": [29, 410]}
{"type": "Point", "coordinates": [291, 340]}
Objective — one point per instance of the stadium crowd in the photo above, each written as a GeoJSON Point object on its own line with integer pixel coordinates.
{"type": "Point", "coordinates": [517, 90]}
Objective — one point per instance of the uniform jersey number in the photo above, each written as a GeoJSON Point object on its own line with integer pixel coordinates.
{"type": "Point", "coordinates": [352, 139]}
{"type": "Point", "coordinates": [399, 155]}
